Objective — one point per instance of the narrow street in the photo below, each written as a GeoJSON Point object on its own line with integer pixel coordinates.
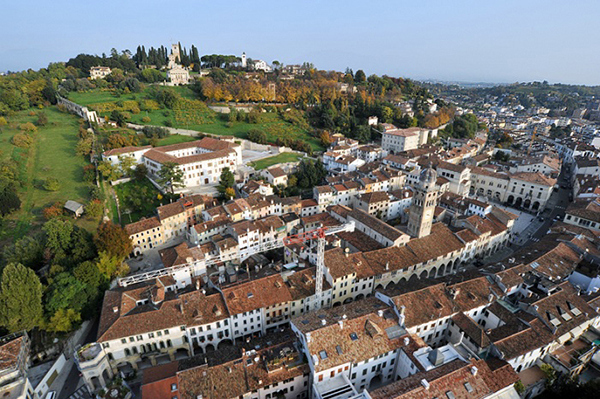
{"type": "Point", "coordinates": [73, 385]}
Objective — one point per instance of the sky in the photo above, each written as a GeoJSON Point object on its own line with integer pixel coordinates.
{"type": "Point", "coordinates": [498, 41]}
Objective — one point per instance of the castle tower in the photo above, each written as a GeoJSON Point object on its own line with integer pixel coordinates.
{"type": "Point", "coordinates": [424, 202]}
{"type": "Point", "coordinates": [244, 61]}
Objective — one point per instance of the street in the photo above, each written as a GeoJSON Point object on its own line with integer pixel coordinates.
{"type": "Point", "coordinates": [74, 382]}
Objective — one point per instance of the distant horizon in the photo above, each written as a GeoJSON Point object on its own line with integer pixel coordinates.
{"type": "Point", "coordinates": [417, 79]}
{"type": "Point", "coordinates": [468, 41]}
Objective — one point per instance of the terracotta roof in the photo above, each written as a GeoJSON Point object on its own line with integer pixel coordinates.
{"type": "Point", "coordinates": [535, 178]}
{"type": "Point", "coordinates": [589, 210]}
{"type": "Point", "coordinates": [471, 329]}
{"type": "Point", "coordinates": [277, 172]}
{"type": "Point", "coordinates": [256, 294]}
{"type": "Point", "coordinates": [125, 150]}
{"type": "Point", "coordinates": [374, 197]}
{"type": "Point", "coordinates": [362, 334]}
{"type": "Point", "coordinates": [179, 206]}
{"type": "Point", "coordinates": [142, 225]}
{"type": "Point", "coordinates": [200, 309]}
{"type": "Point", "coordinates": [180, 255]}
{"type": "Point", "coordinates": [9, 353]}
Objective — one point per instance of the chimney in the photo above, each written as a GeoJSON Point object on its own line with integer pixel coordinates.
{"type": "Point", "coordinates": [341, 323]}
{"type": "Point", "coordinates": [308, 337]}
{"type": "Point", "coordinates": [197, 284]}
{"type": "Point", "coordinates": [406, 341]}
{"type": "Point", "coordinates": [474, 371]}
{"type": "Point", "coordinates": [425, 384]}
{"type": "Point", "coordinates": [323, 322]}
{"type": "Point", "coordinates": [115, 309]}
{"type": "Point", "coordinates": [387, 265]}
{"type": "Point", "coordinates": [380, 313]}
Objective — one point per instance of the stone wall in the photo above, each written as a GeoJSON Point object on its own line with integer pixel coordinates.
{"type": "Point", "coordinates": [83, 112]}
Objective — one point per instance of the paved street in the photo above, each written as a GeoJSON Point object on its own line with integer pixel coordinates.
{"type": "Point", "coordinates": [74, 382]}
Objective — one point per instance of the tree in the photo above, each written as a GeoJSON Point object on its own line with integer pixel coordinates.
{"type": "Point", "coordinates": [63, 320]}
{"type": "Point", "coordinates": [94, 209]}
{"type": "Point", "coordinates": [170, 175]}
{"type": "Point", "coordinates": [226, 181]}
{"type": "Point", "coordinates": [108, 170]}
{"type": "Point", "coordinates": [126, 163]}
{"type": "Point", "coordinates": [84, 146]}
{"type": "Point", "coordinates": [9, 200]}
{"type": "Point", "coordinates": [360, 77]}
{"type": "Point", "coordinates": [114, 240]}
{"type": "Point", "coordinates": [140, 172]}
{"type": "Point", "coordinates": [111, 266]}
{"type": "Point", "coordinates": [20, 298]}
{"type": "Point", "coordinates": [58, 236]}
{"type": "Point", "coordinates": [65, 292]}
{"type": "Point", "coordinates": [27, 251]}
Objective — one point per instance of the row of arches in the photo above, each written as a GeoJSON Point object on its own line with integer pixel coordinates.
{"type": "Point", "coordinates": [519, 202]}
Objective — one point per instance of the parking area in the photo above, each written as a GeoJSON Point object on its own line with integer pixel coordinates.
{"type": "Point", "coordinates": [150, 260]}
{"type": "Point", "coordinates": [251, 155]}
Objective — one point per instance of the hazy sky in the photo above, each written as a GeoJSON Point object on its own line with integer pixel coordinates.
{"type": "Point", "coordinates": [484, 40]}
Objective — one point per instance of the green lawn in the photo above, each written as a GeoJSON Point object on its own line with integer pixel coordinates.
{"type": "Point", "coordinates": [176, 139]}
{"type": "Point", "coordinates": [198, 117]}
{"type": "Point", "coordinates": [138, 199]}
{"type": "Point", "coordinates": [281, 158]}
{"type": "Point", "coordinates": [51, 155]}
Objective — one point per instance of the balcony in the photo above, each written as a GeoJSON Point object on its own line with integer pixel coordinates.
{"type": "Point", "coordinates": [89, 355]}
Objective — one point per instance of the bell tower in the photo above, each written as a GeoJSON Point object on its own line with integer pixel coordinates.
{"type": "Point", "coordinates": [422, 209]}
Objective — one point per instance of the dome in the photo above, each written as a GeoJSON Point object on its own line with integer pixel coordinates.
{"type": "Point", "coordinates": [428, 176]}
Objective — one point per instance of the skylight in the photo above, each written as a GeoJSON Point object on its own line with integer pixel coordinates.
{"type": "Point", "coordinates": [468, 387]}
{"type": "Point", "coordinates": [353, 336]}
{"type": "Point", "coordinates": [339, 349]}
{"type": "Point", "coordinates": [323, 355]}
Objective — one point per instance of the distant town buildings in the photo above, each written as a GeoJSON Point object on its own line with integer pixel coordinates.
{"type": "Point", "coordinates": [99, 72]}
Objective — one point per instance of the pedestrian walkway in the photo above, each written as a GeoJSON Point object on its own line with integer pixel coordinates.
{"type": "Point", "coordinates": [81, 393]}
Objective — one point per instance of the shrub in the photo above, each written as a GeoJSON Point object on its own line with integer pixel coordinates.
{"type": "Point", "coordinates": [28, 127]}
{"type": "Point", "coordinates": [3, 121]}
{"type": "Point", "coordinates": [22, 140]}
{"type": "Point", "coordinates": [169, 123]}
{"type": "Point", "coordinates": [52, 184]}
{"type": "Point", "coordinates": [156, 131]}
{"type": "Point", "coordinates": [94, 208]}
{"type": "Point", "coordinates": [146, 119]}
{"type": "Point", "coordinates": [31, 113]}
{"type": "Point", "coordinates": [257, 136]}
{"type": "Point", "coordinates": [42, 119]}
{"type": "Point", "coordinates": [53, 211]}
{"type": "Point", "coordinates": [89, 173]}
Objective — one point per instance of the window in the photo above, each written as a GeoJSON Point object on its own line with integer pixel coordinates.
{"type": "Point", "coordinates": [173, 387]}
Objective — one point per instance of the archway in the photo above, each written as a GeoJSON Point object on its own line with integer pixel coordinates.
{"type": "Point", "coordinates": [518, 202]}
{"type": "Point", "coordinates": [423, 274]}
{"type": "Point", "coordinates": [527, 203]}
{"type": "Point", "coordinates": [375, 382]}
{"type": "Point", "coordinates": [224, 343]}
{"type": "Point", "coordinates": [536, 206]}
{"type": "Point", "coordinates": [209, 348]}
{"type": "Point", "coordinates": [336, 304]}
{"type": "Point", "coordinates": [414, 277]}
{"type": "Point", "coordinates": [379, 287]}
{"type": "Point", "coordinates": [347, 301]}
{"type": "Point", "coordinates": [510, 200]}
{"type": "Point", "coordinates": [96, 383]}
{"type": "Point", "coordinates": [433, 272]}
{"type": "Point", "coordinates": [359, 296]}
{"type": "Point", "coordinates": [181, 353]}
{"type": "Point", "coordinates": [105, 375]}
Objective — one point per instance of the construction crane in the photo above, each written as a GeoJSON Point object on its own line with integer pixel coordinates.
{"type": "Point", "coordinates": [532, 139]}
{"type": "Point", "coordinates": [317, 234]}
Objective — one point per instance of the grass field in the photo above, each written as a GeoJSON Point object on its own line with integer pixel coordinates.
{"type": "Point", "coordinates": [192, 116]}
{"type": "Point", "coordinates": [51, 155]}
{"type": "Point", "coordinates": [138, 199]}
{"type": "Point", "coordinates": [281, 158]}
{"type": "Point", "coordinates": [176, 139]}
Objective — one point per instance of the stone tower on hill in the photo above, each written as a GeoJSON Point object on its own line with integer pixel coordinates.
{"type": "Point", "coordinates": [424, 202]}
